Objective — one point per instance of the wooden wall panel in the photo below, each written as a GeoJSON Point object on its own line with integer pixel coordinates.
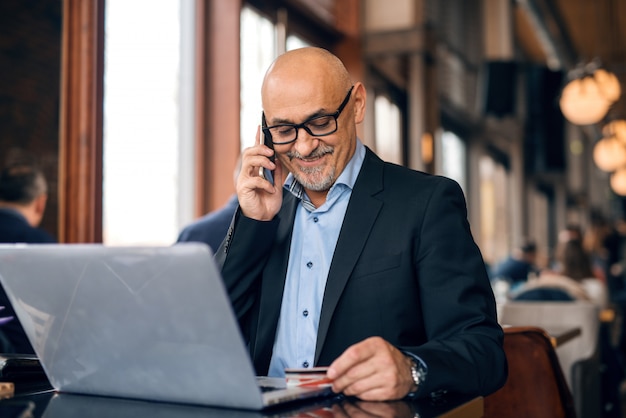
{"type": "Point", "coordinates": [80, 142]}
{"type": "Point", "coordinates": [217, 101]}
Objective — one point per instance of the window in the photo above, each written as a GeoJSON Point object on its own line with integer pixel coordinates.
{"type": "Point", "coordinates": [494, 210]}
{"type": "Point", "coordinates": [452, 158]}
{"type": "Point", "coordinates": [148, 122]}
{"type": "Point", "coordinates": [258, 49]}
{"type": "Point", "coordinates": [388, 122]}
{"type": "Point", "coordinates": [295, 42]}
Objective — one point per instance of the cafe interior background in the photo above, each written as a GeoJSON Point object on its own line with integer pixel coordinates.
{"type": "Point", "coordinates": [137, 109]}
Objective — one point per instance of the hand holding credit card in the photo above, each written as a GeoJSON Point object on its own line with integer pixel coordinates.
{"type": "Point", "coordinates": [313, 376]}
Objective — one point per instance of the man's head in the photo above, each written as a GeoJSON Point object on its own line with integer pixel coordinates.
{"type": "Point", "coordinates": [528, 251]}
{"type": "Point", "coordinates": [301, 87]}
{"type": "Point", "coordinates": [23, 188]}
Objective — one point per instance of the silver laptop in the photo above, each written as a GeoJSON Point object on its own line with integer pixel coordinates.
{"type": "Point", "coordinates": [150, 323]}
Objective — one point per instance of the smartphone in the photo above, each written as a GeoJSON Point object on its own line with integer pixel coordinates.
{"type": "Point", "coordinates": [267, 140]}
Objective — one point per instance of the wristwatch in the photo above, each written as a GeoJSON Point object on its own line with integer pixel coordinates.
{"type": "Point", "coordinates": [418, 373]}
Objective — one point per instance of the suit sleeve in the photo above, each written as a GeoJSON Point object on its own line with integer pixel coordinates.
{"type": "Point", "coordinates": [464, 348]}
{"type": "Point", "coordinates": [242, 257]}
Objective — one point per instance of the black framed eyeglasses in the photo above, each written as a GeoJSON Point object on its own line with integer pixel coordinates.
{"type": "Point", "coordinates": [322, 125]}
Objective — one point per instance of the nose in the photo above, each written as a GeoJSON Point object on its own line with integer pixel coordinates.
{"type": "Point", "coordinates": [305, 143]}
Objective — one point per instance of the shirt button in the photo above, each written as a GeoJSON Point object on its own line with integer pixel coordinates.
{"type": "Point", "coordinates": [309, 264]}
{"type": "Point", "coordinates": [316, 219]}
{"type": "Point", "coordinates": [305, 313]}
{"type": "Point", "coordinates": [305, 364]}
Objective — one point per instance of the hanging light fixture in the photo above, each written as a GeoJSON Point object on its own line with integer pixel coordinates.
{"type": "Point", "coordinates": [618, 182]}
{"type": "Point", "coordinates": [616, 129]}
{"type": "Point", "coordinates": [592, 88]}
{"type": "Point", "coordinates": [609, 154]}
{"type": "Point", "coordinates": [582, 102]}
{"type": "Point", "coordinates": [586, 99]}
{"type": "Point", "coordinates": [608, 84]}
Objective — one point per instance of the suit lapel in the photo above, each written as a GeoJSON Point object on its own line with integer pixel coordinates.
{"type": "Point", "coordinates": [360, 216]}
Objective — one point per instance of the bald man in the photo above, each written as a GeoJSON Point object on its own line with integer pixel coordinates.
{"type": "Point", "coordinates": [354, 263]}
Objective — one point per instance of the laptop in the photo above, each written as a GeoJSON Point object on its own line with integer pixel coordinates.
{"type": "Point", "coordinates": [151, 323]}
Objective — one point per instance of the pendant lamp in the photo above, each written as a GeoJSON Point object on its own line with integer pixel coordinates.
{"type": "Point", "coordinates": [618, 182]}
{"type": "Point", "coordinates": [609, 154]}
{"type": "Point", "coordinates": [582, 101]}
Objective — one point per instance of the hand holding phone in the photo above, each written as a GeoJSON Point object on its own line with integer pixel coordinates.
{"type": "Point", "coordinates": [267, 141]}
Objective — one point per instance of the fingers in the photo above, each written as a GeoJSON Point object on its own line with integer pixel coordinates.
{"type": "Point", "coordinates": [254, 159]}
{"type": "Point", "coordinates": [280, 174]}
{"type": "Point", "coordinates": [352, 372]}
{"type": "Point", "coordinates": [353, 356]}
{"type": "Point", "coordinates": [260, 157]}
{"type": "Point", "coordinates": [258, 198]}
{"type": "Point", "coordinates": [372, 370]}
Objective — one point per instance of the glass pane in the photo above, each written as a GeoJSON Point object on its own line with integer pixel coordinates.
{"type": "Point", "coordinates": [388, 130]}
{"type": "Point", "coordinates": [494, 211]}
{"type": "Point", "coordinates": [142, 121]}
{"type": "Point", "coordinates": [452, 158]}
{"type": "Point", "coordinates": [295, 42]}
{"type": "Point", "coordinates": [258, 49]}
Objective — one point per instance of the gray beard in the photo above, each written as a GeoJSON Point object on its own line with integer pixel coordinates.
{"type": "Point", "coordinates": [318, 184]}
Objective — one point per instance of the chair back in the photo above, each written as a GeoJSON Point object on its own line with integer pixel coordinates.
{"type": "Point", "coordinates": [580, 357]}
{"type": "Point", "coordinates": [535, 386]}
{"type": "Point", "coordinates": [545, 294]}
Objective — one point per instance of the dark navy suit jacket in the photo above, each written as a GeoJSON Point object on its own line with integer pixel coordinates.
{"type": "Point", "coordinates": [405, 268]}
{"type": "Point", "coordinates": [212, 227]}
{"type": "Point", "coordinates": [15, 229]}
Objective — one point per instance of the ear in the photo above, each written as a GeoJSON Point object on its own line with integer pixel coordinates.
{"type": "Point", "coordinates": [39, 206]}
{"type": "Point", "coordinates": [360, 96]}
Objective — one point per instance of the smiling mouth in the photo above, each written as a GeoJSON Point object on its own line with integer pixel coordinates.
{"type": "Point", "coordinates": [316, 155]}
{"type": "Point", "coordinates": [312, 159]}
{"type": "Point", "coordinates": [310, 166]}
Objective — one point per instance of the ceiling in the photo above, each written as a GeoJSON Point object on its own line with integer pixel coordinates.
{"type": "Point", "coordinates": [596, 28]}
{"type": "Point", "coordinates": [569, 33]}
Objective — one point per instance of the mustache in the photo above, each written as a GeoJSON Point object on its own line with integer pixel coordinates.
{"type": "Point", "coordinates": [318, 152]}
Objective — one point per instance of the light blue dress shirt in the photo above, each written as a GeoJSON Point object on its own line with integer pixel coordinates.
{"type": "Point", "coordinates": [315, 234]}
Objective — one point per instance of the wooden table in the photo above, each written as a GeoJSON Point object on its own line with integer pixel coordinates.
{"type": "Point", "coordinates": [473, 408]}
{"type": "Point", "coordinates": [561, 335]}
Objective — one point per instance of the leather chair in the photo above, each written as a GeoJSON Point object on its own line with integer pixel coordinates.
{"type": "Point", "coordinates": [579, 358]}
{"type": "Point", "coordinates": [535, 386]}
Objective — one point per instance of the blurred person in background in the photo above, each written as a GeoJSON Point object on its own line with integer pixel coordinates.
{"type": "Point", "coordinates": [570, 232]}
{"type": "Point", "coordinates": [23, 196]}
{"type": "Point", "coordinates": [517, 267]}
{"type": "Point", "coordinates": [573, 280]}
